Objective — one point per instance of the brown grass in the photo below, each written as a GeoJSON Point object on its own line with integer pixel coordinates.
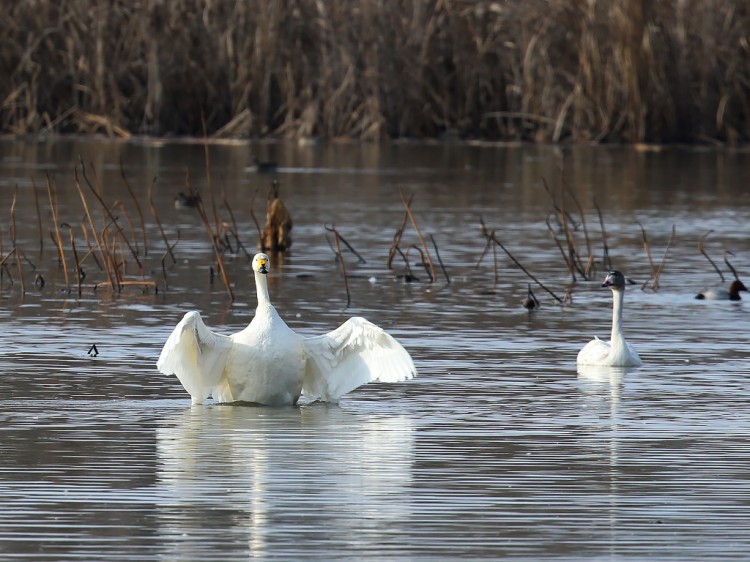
{"type": "Point", "coordinates": [544, 70]}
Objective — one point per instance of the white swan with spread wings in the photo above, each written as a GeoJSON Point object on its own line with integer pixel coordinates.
{"type": "Point", "coordinates": [268, 363]}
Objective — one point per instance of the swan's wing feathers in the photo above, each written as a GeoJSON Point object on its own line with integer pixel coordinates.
{"type": "Point", "coordinates": [593, 353]}
{"type": "Point", "coordinates": [355, 353]}
{"type": "Point", "coordinates": [196, 355]}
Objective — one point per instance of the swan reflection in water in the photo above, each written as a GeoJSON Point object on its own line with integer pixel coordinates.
{"type": "Point", "coordinates": [602, 387]}
{"type": "Point", "coordinates": [314, 477]}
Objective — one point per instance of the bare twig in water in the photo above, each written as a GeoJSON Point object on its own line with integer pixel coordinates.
{"type": "Point", "coordinates": [488, 234]}
{"type": "Point", "coordinates": [515, 261]}
{"type": "Point", "coordinates": [155, 214]}
{"type": "Point", "coordinates": [235, 231]}
{"type": "Point", "coordinates": [440, 261]}
{"type": "Point", "coordinates": [217, 250]}
{"type": "Point", "coordinates": [137, 207]}
{"type": "Point", "coordinates": [560, 247]}
{"type": "Point", "coordinates": [208, 176]}
{"type": "Point", "coordinates": [655, 283]}
{"type": "Point", "coordinates": [75, 258]}
{"type": "Point", "coordinates": [337, 238]}
{"type": "Point", "coordinates": [487, 243]}
{"type": "Point", "coordinates": [606, 261]}
{"type": "Point", "coordinates": [422, 261]}
{"type": "Point", "coordinates": [38, 214]}
{"type": "Point", "coordinates": [20, 271]}
{"type": "Point", "coordinates": [495, 262]}
{"type": "Point", "coordinates": [559, 210]}
{"type": "Point", "coordinates": [119, 205]}
{"type": "Point", "coordinates": [589, 265]}
{"type": "Point", "coordinates": [6, 258]}
{"type": "Point", "coordinates": [648, 254]}
{"type": "Point", "coordinates": [104, 261]}
{"type": "Point", "coordinates": [57, 237]}
{"type": "Point", "coordinates": [702, 250]}
{"type": "Point", "coordinates": [573, 259]}
{"type": "Point", "coordinates": [407, 205]}
{"type": "Point", "coordinates": [397, 236]}
{"type": "Point", "coordinates": [729, 265]}
{"type": "Point", "coordinates": [164, 259]}
{"type": "Point", "coordinates": [409, 277]}
{"type": "Point", "coordinates": [112, 218]}
{"type": "Point", "coordinates": [332, 229]}
{"type": "Point", "coordinates": [530, 302]}
{"type": "Point", "coordinates": [13, 217]}
{"type": "Point", "coordinates": [92, 251]}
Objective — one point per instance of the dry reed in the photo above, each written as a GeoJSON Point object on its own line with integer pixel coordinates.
{"type": "Point", "coordinates": [702, 250]}
{"type": "Point", "coordinates": [56, 235]}
{"type": "Point", "coordinates": [606, 260]}
{"type": "Point", "coordinates": [440, 261]}
{"type": "Point", "coordinates": [729, 265]}
{"type": "Point", "coordinates": [155, 214]}
{"type": "Point", "coordinates": [337, 239]}
{"type": "Point", "coordinates": [491, 237]}
{"type": "Point", "coordinates": [522, 268]}
{"type": "Point", "coordinates": [424, 251]}
{"type": "Point", "coordinates": [647, 249]}
{"type": "Point", "coordinates": [544, 70]}
{"type": "Point", "coordinates": [38, 214]}
{"type": "Point", "coordinates": [137, 207]}
{"type": "Point", "coordinates": [655, 283]}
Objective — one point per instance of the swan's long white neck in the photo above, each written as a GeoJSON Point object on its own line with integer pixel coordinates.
{"type": "Point", "coordinates": [261, 286]}
{"type": "Point", "coordinates": [617, 335]}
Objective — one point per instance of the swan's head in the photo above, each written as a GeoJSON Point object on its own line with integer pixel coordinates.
{"type": "Point", "coordinates": [614, 280]}
{"type": "Point", "coordinates": [261, 263]}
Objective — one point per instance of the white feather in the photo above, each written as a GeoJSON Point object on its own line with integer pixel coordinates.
{"type": "Point", "coordinates": [196, 355]}
{"type": "Point", "coordinates": [357, 352]}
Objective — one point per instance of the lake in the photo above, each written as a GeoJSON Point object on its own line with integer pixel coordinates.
{"type": "Point", "coordinates": [501, 448]}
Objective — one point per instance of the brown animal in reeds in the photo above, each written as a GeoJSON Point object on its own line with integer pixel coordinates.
{"type": "Point", "coordinates": [277, 230]}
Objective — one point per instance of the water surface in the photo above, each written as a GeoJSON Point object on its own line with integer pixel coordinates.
{"type": "Point", "coordinates": [500, 448]}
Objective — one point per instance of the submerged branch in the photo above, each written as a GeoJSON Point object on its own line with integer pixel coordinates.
{"type": "Point", "coordinates": [702, 250]}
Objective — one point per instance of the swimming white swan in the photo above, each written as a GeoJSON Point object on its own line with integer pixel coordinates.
{"type": "Point", "coordinates": [616, 352]}
{"type": "Point", "coordinates": [722, 294]}
{"type": "Point", "coordinates": [267, 363]}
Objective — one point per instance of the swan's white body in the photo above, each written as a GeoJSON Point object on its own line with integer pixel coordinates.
{"type": "Point", "coordinates": [616, 352]}
{"type": "Point", "coordinates": [268, 363]}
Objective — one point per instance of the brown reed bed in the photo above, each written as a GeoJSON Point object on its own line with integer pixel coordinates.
{"type": "Point", "coordinates": [539, 70]}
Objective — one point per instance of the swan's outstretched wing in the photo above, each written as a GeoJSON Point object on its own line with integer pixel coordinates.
{"type": "Point", "coordinates": [355, 353]}
{"type": "Point", "coordinates": [196, 355]}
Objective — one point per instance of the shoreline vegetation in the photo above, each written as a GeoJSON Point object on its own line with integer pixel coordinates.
{"type": "Point", "coordinates": [615, 71]}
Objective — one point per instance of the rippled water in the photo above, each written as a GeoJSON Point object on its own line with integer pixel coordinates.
{"type": "Point", "coordinates": [499, 449]}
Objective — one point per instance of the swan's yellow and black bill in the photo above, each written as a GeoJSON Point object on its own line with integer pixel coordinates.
{"type": "Point", "coordinates": [262, 266]}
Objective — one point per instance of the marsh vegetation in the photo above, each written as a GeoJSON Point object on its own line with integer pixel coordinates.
{"type": "Point", "coordinates": [540, 70]}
